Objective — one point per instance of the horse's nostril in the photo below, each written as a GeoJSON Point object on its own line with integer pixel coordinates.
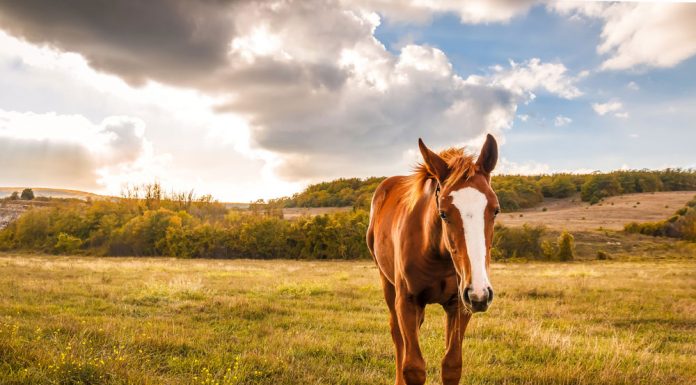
{"type": "Point", "coordinates": [467, 299]}
{"type": "Point", "coordinates": [490, 294]}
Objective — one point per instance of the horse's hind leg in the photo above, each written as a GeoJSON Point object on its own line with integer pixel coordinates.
{"type": "Point", "coordinates": [457, 320]}
{"type": "Point", "coordinates": [390, 298]}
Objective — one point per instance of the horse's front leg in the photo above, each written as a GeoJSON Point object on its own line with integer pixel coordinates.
{"type": "Point", "coordinates": [410, 315]}
{"type": "Point", "coordinates": [390, 298]}
{"type": "Point", "coordinates": [457, 320]}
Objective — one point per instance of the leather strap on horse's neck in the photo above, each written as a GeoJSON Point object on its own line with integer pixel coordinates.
{"type": "Point", "coordinates": [437, 202]}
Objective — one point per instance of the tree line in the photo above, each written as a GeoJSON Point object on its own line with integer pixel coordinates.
{"type": "Point", "coordinates": [148, 222]}
{"type": "Point", "coordinates": [206, 229]}
{"type": "Point", "coordinates": [514, 191]}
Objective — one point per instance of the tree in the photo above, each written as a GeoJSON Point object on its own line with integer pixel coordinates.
{"type": "Point", "coordinates": [14, 196]}
{"type": "Point", "coordinates": [27, 194]}
{"type": "Point", "coordinates": [566, 246]}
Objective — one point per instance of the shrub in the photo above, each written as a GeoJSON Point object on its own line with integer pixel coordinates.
{"type": "Point", "coordinates": [518, 242]}
{"type": "Point", "coordinates": [27, 194]}
{"type": "Point", "coordinates": [600, 186]}
{"type": "Point", "coordinates": [603, 255]}
{"type": "Point", "coordinates": [680, 225]}
{"type": "Point", "coordinates": [31, 230]}
{"type": "Point", "coordinates": [566, 246]}
{"type": "Point", "coordinates": [67, 244]}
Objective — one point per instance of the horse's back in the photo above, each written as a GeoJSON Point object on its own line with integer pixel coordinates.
{"type": "Point", "coordinates": [385, 204]}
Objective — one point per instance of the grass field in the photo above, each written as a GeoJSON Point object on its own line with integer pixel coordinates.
{"type": "Point", "coordinates": [76, 320]}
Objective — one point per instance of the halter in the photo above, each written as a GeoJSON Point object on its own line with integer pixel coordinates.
{"type": "Point", "coordinates": [437, 202]}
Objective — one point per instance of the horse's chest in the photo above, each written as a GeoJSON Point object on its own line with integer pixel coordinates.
{"type": "Point", "coordinates": [440, 290]}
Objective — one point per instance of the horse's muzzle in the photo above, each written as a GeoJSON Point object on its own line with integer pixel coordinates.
{"type": "Point", "coordinates": [478, 303]}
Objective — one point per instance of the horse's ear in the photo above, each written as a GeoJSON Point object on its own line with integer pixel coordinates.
{"type": "Point", "coordinates": [489, 155]}
{"type": "Point", "coordinates": [433, 162]}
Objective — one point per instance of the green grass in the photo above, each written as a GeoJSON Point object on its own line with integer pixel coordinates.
{"type": "Point", "coordinates": [166, 321]}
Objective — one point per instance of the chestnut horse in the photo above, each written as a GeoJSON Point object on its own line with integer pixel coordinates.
{"type": "Point", "coordinates": [430, 234]}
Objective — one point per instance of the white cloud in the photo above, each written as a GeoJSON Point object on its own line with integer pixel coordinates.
{"type": "Point", "coordinates": [469, 12]}
{"type": "Point", "coordinates": [506, 167]}
{"type": "Point", "coordinates": [352, 96]}
{"type": "Point", "coordinates": [561, 121]}
{"type": "Point", "coordinates": [523, 117]}
{"type": "Point", "coordinates": [534, 75]}
{"type": "Point", "coordinates": [642, 34]}
{"type": "Point", "coordinates": [71, 151]}
{"type": "Point", "coordinates": [311, 91]}
{"type": "Point", "coordinates": [633, 86]}
{"type": "Point", "coordinates": [604, 108]}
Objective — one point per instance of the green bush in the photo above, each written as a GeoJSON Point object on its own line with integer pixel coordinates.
{"type": "Point", "coordinates": [27, 194]}
{"type": "Point", "coordinates": [566, 247]}
{"type": "Point", "coordinates": [600, 186]}
{"type": "Point", "coordinates": [518, 242]}
{"type": "Point", "coordinates": [680, 225]}
{"type": "Point", "coordinates": [32, 230]}
{"type": "Point", "coordinates": [67, 244]}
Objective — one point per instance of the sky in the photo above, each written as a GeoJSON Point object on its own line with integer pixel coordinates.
{"type": "Point", "coordinates": [247, 100]}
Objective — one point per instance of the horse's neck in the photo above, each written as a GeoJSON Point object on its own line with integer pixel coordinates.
{"type": "Point", "coordinates": [433, 230]}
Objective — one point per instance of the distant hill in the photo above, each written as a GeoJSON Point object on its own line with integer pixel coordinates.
{"type": "Point", "coordinates": [50, 192]}
{"type": "Point", "coordinates": [612, 213]}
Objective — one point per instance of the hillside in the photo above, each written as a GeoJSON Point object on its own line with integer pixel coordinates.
{"type": "Point", "coordinates": [612, 213]}
{"type": "Point", "coordinates": [514, 191]}
{"type": "Point", "coordinates": [49, 192]}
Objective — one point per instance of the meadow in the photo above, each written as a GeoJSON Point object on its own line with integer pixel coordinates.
{"type": "Point", "coordinates": [72, 320]}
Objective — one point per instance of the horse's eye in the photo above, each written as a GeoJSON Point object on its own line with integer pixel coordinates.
{"type": "Point", "coordinates": [443, 215]}
{"type": "Point", "coordinates": [497, 211]}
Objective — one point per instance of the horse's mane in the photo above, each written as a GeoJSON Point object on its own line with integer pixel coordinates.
{"type": "Point", "coordinates": [461, 165]}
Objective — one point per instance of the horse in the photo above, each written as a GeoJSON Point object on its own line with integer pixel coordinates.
{"type": "Point", "coordinates": [430, 234]}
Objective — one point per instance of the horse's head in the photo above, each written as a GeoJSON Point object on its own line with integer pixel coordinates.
{"type": "Point", "coordinates": [467, 207]}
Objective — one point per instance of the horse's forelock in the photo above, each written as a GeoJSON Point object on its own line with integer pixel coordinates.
{"type": "Point", "coordinates": [461, 164]}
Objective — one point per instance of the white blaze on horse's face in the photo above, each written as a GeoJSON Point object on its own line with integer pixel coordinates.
{"type": "Point", "coordinates": [471, 204]}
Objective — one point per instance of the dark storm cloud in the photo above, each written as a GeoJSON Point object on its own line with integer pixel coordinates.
{"type": "Point", "coordinates": [174, 41]}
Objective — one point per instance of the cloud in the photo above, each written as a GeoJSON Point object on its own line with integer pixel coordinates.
{"type": "Point", "coordinates": [469, 12]}
{"type": "Point", "coordinates": [70, 151]}
{"type": "Point", "coordinates": [604, 108]}
{"type": "Point", "coordinates": [523, 117]}
{"type": "Point", "coordinates": [633, 86]}
{"type": "Point", "coordinates": [561, 121]}
{"type": "Point", "coordinates": [174, 41]}
{"type": "Point", "coordinates": [506, 167]}
{"type": "Point", "coordinates": [622, 115]}
{"type": "Point", "coordinates": [534, 75]}
{"type": "Point", "coordinates": [640, 34]}
{"type": "Point", "coordinates": [319, 94]}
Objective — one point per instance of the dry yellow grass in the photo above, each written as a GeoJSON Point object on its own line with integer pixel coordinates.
{"type": "Point", "coordinates": [612, 213]}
